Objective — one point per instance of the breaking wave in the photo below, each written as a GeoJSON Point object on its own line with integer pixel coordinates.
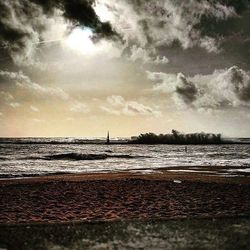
{"type": "Point", "coordinates": [3, 159]}
{"type": "Point", "coordinates": [82, 157]}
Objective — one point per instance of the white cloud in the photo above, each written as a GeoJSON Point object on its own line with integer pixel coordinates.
{"type": "Point", "coordinates": [15, 105]}
{"type": "Point", "coordinates": [160, 60]}
{"type": "Point", "coordinates": [24, 82]}
{"type": "Point", "coordinates": [78, 107]}
{"type": "Point", "coordinates": [33, 28]}
{"type": "Point", "coordinates": [220, 90]}
{"type": "Point", "coordinates": [43, 91]}
{"type": "Point", "coordinates": [110, 111]}
{"type": "Point", "coordinates": [154, 23]}
{"type": "Point", "coordinates": [225, 88]}
{"type": "Point", "coordinates": [121, 106]}
{"type": "Point", "coordinates": [6, 96]}
{"type": "Point", "coordinates": [146, 56]}
{"type": "Point", "coordinates": [116, 100]}
{"type": "Point", "coordinates": [163, 82]}
{"type": "Point", "coordinates": [138, 53]}
{"type": "Point", "coordinates": [34, 109]}
{"type": "Point", "coordinates": [135, 108]}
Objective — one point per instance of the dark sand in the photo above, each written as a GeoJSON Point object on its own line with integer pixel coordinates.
{"type": "Point", "coordinates": [122, 196]}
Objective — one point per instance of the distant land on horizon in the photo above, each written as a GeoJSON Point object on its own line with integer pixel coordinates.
{"type": "Point", "coordinates": [175, 137]}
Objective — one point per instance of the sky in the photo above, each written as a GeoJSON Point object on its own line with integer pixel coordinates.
{"type": "Point", "coordinates": [82, 67]}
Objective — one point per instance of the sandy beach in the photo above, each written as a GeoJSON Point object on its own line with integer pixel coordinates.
{"type": "Point", "coordinates": [122, 196]}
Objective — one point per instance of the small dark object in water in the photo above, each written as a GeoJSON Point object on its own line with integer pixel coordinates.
{"type": "Point", "coordinates": [108, 151]}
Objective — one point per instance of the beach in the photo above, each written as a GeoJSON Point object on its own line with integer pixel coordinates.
{"type": "Point", "coordinates": [122, 196]}
{"type": "Point", "coordinates": [124, 125]}
{"type": "Point", "coordinates": [125, 210]}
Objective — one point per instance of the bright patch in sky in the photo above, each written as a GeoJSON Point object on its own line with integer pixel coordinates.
{"type": "Point", "coordinates": [80, 41]}
{"type": "Point", "coordinates": [103, 12]}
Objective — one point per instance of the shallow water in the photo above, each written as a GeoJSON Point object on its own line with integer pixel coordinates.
{"type": "Point", "coordinates": [42, 156]}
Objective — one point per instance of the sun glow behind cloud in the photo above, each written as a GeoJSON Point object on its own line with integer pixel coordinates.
{"type": "Point", "coordinates": [81, 41]}
{"type": "Point", "coordinates": [75, 69]}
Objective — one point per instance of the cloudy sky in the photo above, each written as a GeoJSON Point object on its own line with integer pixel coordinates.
{"type": "Point", "coordinates": [81, 67]}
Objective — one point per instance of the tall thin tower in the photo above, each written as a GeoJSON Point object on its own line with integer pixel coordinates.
{"type": "Point", "coordinates": [108, 141]}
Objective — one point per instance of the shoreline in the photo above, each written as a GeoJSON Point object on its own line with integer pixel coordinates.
{"type": "Point", "coordinates": [157, 174]}
{"type": "Point", "coordinates": [122, 196]}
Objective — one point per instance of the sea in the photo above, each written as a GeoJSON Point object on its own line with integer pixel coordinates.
{"type": "Point", "coordinates": [28, 157]}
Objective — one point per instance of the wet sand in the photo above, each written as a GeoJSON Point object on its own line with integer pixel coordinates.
{"type": "Point", "coordinates": [122, 196]}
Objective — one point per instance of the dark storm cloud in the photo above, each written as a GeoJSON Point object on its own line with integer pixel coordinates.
{"type": "Point", "coordinates": [80, 12]}
{"type": "Point", "coordinates": [22, 21]}
{"type": "Point", "coordinates": [241, 83]}
{"type": "Point", "coordinates": [145, 26]}
{"type": "Point", "coordinates": [233, 42]}
{"type": "Point", "coordinates": [236, 27]}
{"type": "Point", "coordinates": [186, 89]}
{"type": "Point", "coordinates": [194, 18]}
{"type": "Point", "coordinates": [192, 24]}
{"type": "Point", "coordinates": [7, 32]}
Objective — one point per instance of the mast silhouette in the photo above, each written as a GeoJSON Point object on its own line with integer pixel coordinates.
{"type": "Point", "coordinates": [108, 141]}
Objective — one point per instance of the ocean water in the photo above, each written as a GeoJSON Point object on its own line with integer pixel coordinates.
{"type": "Point", "coordinates": [44, 156]}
